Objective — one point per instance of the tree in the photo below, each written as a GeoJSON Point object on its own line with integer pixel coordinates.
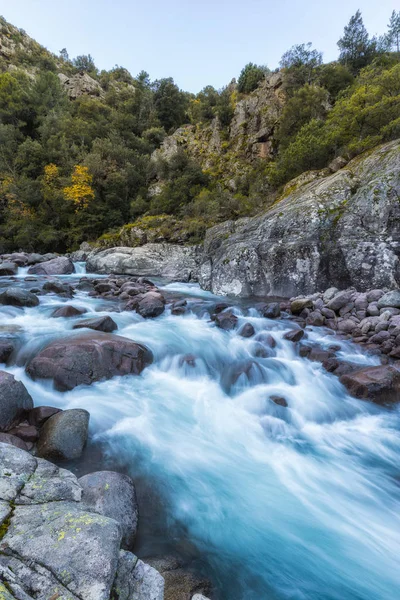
{"type": "Point", "coordinates": [300, 61]}
{"type": "Point", "coordinates": [85, 63]}
{"type": "Point", "coordinates": [170, 104]}
{"type": "Point", "coordinates": [393, 35]}
{"type": "Point", "coordinates": [356, 49]}
{"type": "Point", "coordinates": [64, 55]}
{"type": "Point", "coordinates": [250, 77]}
{"type": "Point", "coordinates": [80, 192]}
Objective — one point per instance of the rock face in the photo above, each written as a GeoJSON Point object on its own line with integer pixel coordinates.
{"type": "Point", "coordinates": [88, 358]}
{"type": "Point", "coordinates": [14, 400]}
{"type": "Point", "coordinates": [79, 85]}
{"type": "Point", "coordinates": [341, 230]}
{"type": "Point", "coordinates": [56, 546]}
{"type": "Point", "coordinates": [61, 265]}
{"type": "Point", "coordinates": [178, 263]}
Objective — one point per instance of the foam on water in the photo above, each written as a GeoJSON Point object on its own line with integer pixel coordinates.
{"type": "Point", "coordinates": [282, 503]}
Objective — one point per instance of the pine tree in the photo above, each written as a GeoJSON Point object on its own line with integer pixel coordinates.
{"type": "Point", "coordinates": [394, 31]}
{"type": "Point", "coordinates": [356, 49]}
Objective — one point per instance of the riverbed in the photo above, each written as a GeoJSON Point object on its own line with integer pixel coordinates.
{"type": "Point", "coordinates": [269, 502]}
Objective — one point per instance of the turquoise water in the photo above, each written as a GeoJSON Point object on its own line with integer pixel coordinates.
{"type": "Point", "coordinates": [281, 503]}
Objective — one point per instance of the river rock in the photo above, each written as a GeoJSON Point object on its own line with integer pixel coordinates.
{"type": "Point", "coordinates": [9, 438]}
{"type": "Point", "coordinates": [14, 400]}
{"type": "Point", "coordinates": [180, 582]}
{"type": "Point", "coordinates": [87, 358]}
{"type": "Point", "coordinates": [247, 330]}
{"type": "Point", "coordinates": [173, 262]}
{"type": "Point", "coordinates": [62, 265]}
{"type": "Point", "coordinates": [6, 349]}
{"type": "Point", "coordinates": [64, 435]}
{"type": "Point", "coordinates": [391, 299]}
{"type": "Point", "coordinates": [38, 415]}
{"type": "Point", "coordinates": [136, 580]}
{"type": "Point", "coordinates": [57, 287]}
{"type": "Point", "coordinates": [295, 335]}
{"type": "Point", "coordinates": [8, 268]}
{"type": "Point", "coordinates": [19, 258]}
{"type": "Point", "coordinates": [106, 324]}
{"type": "Point", "coordinates": [67, 311]}
{"type": "Point", "coordinates": [150, 305]}
{"type": "Point", "coordinates": [299, 304]}
{"type": "Point", "coordinates": [113, 495]}
{"type": "Point", "coordinates": [377, 384]}
{"type": "Point", "coordinates": [15, 296]}
{"type": "Point", "coordinates": [226, 321]}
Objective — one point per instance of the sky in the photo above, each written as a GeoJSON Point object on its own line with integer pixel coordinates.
{"type": "Point", "coordinates": [198, 43]}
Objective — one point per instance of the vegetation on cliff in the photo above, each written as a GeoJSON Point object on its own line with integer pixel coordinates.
{"type": "Point", "coordinates": [85, 152]}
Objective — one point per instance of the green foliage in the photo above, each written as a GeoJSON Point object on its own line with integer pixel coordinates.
{"type": "Point", "coordinates": [170, 103]}
{"type": "Point", "coordinates": [335, 78]}
{"type": "Point", "coordinates": [250, 77]}
{"type": "Point", "coordinates": [85, 63]}
{"type": "Point", "coordinates": [300, 63]}
{"type": "Point", "coordinates": [393, 35]}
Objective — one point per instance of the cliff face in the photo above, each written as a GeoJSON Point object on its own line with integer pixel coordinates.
{"type": "Point", "coordinates": [227, 153]}
{"type": "Point", "coordinates": [342, 230]}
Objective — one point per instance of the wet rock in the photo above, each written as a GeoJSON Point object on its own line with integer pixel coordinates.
{"type": "Point", "coordinates": [247, 330]}
{"type": "Point", "coordinates": [88, 358]}
{"type": "Point", "coordinates": [295, 335]}
{"type": "Point", "coordinates": [15, 296]}
{"type": "Point", "coordinates": [85, 285]}
{"type": "Point", "coordinates": [299, 304]}
{"type": "Point", "coordinates": [328, 313]}
{"type": "Point", "coordinates": [226, 321]}
{"type": "Point", "coordinates": [137, 580]}
{"type": "Point", "coordinates": [57, 287]}
{"type": "Point", "coordinates": [14, 400]}
{"type": "Point", "coordinates": [113, 495]}
{"type": "Point", "coordinates": [151, 305]}
{"type": "Point", "coordinates": [67, 311]}
{"type": "Point", "coordinates": [106, 324]}
{"type": "Point", "coordinates": [187, 359]}
{"type": "Point", "coordinates": [266, 339]}
{"type": "Point", "coordinates": [6, 349]}
{"type": "Point", "coordinates": [279, 401]}
{"type": "Point", "coordinates": [8, 268]}
{"type": "Point", "coordinates": [271, 310]}
{"type": "Point", "coordinates": [220, 306]}
{"type": "Point", "coordinates": [38, 415]}
{"type": "Point", "coordinates": [61, 265]}
{"type": "Point", "coordinates": [19, 258]}
{"type": "Point", "coordinates": [64, 435]}
{"type": "Point", "coordinates": [377, 384]}
{"type": "Point", "coordinates": [339, 367]}
{"type": "Point", "coordinates": [380, 337]}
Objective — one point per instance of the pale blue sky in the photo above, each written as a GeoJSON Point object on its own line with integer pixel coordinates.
{"type": "Point", "coordinates": [195, 42]}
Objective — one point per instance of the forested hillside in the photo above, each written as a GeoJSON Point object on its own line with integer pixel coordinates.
{"type": "Point", "coordinates": [84, 152]}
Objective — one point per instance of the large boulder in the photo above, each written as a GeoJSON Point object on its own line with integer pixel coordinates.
{"type": "Point", "coordinates": [173, 262]}
{"type": "Point", "coordinates": [67, 311]}
{"type": "Point", "coordinates": [14, 400]}
{"type": "Point", "coordinates": [113, 495]}
{"type": "Point", "coordinates": [64, 435]}
{"type": "Point", "coordinates": [15, 296]}
{"type": "Point", "coordinates": [62, 265]}
{"type": "Point", "coordinates": [88, 358]}
{"type": "Point", "coordinates": [377, 384]}
{"type": "Point", "coordinates": [54, 546]}
{"type": "Point", "coordinates": [150, 305]}
{"type": "Point", "coordinates": [8, 268]}
{"type": "Point", "coordinates": [391, 299]}
{"type": "Point", "coordinates": [338, 230]}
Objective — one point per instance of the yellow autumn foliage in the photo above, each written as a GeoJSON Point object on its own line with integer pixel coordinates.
{"type": "Point", "coordinates": [80, 192]}
{"type": "Point", "coordinates": [51, 174]}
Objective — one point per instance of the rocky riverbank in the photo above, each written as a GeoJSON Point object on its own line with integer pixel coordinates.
{"type": "Point", "coordinates": [50, 500]}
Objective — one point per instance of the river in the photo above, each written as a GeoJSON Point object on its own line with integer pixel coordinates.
{"type": "Point", "coordinates": [272, 503]}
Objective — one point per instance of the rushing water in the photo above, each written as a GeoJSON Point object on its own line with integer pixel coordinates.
{"type": "Point", "coordinates": [280, 503]}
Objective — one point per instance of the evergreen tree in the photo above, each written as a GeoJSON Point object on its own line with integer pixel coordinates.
{"type": "Point", "coordinates": [393, 35]}
{"type": "Point", "coordinates": [356, 49]}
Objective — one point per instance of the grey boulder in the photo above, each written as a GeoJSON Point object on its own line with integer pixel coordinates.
{"type": "Point", "coordinates": [14, 400]}
{"type": "Point", "coordinates": [62, 265]}
{"type": "Point", "coordinates": [113, 495]}
{"type": "Point", "coordinates": [64, 435]}
{"type": "Point", "coordinates": [15, 296]}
